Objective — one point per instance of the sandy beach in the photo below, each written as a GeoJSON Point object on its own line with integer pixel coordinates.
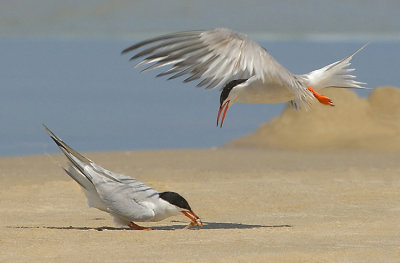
{"type": "Point", "coordinates": [273, 184]}
{"type": "Point", "coordinates": [316, 186]}
{"type": "Point", "coordinates": [258, 206]}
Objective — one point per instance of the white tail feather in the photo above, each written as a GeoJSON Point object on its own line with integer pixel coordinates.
{"type": "Point", "coordinates": [93, 198]}
{"type": "Point", "coordinates": [335, 75]}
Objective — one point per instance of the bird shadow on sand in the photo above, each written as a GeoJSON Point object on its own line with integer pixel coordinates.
{"type": "Point", "coordinates": [219, 225]}
{"type": "Point", "coordinates": [206, 225]}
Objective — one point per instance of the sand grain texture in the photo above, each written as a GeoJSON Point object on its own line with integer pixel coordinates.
{"type": "Point", "coordinates": [258, 205]}
{"type": "Point", "coordinates": [371, 123]}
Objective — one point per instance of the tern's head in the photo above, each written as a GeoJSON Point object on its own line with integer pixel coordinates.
{"type": "Point", "coordinates": [228, 97]}
{"type": "Point", "coordinates": [183, 206]}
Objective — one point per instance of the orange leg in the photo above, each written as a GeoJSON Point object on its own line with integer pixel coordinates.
{"type": "Point", "coordinates": [190, 225]}
{"type": "Point", "coordinates": [322, 99]}
{"type": "Point", "coordinates": [137, 227]}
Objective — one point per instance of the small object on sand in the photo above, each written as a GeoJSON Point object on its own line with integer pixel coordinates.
{"type": "Point", "coordinates": [194, 223]}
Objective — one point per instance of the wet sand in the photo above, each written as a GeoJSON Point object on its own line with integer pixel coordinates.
{"type": "Point", "coordinates": [258, 205]}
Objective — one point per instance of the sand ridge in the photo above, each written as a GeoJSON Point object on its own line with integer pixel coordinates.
{"type": "Point", "coordinates": [371, 123]}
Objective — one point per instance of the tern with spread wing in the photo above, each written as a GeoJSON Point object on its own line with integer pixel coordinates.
{"type": "Point", "coordinates": [244, 71]}
{"type": "Point", "coordinates": [125, 198]}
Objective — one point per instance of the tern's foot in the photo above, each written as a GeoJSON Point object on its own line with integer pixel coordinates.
{"type": "Point", "coordinates": [321, 98]}
{"type": "Point", "coordinates": [190, 225]}
{"type": "Point", "coordinates": [137, 227]}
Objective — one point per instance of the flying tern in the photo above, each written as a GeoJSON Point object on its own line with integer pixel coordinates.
{"type": "Point", "coordinates": [244, 71]}
{"type": "Point", "coordinates": [125, 198]}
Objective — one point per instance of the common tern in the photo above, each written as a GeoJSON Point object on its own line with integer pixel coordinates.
{"type": "Point", "coordinates": [125, 198]}
{"type": "Point", "coordinates": [244, 71]}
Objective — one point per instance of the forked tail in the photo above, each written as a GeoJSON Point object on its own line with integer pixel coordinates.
{"type": "Point", "coordinates": [335, 75]}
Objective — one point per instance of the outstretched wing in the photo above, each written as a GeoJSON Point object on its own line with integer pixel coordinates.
{"type": "Point", "coordinates": [214, 57]}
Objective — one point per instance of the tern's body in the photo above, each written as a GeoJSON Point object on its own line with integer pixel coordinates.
{"type": "Point", "coordinates": [125, 198]}
{"type": "Point", "coordinates": [221, 57]}
{"type": "Point", "coordinates": [256, 91]}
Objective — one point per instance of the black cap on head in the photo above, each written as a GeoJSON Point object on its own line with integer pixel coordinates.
{"type": "Point", "coordinates": [227, 89]}
{"type": "Point", "coordinates": [175, 199]}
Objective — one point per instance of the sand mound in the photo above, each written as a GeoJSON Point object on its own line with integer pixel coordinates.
{"type": "Point", "coordinates": [355, 123]}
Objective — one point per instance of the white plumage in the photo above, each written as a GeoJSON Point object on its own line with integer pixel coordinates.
{"type": "Point", "coordinates": [219, 56]}
{"type": "Point", "coordinates": [125, 198]}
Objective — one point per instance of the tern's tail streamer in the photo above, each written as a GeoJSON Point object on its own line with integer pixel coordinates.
{"type": "Point", "coordinates": [335, 75]}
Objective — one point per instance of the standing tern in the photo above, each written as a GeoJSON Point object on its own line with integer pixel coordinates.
{"type": "Point", "coordinates": [245, 71]}
{"type": "Point", "coordinates": [125, 198]}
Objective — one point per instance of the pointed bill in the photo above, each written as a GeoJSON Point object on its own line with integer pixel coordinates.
{"type": "Point", "coordinates": [193, 217]}
{"type": "Point", "coordinates": [223, 108]}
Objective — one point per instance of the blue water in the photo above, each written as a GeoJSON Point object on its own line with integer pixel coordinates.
{"type": "Point", "coordinates": [89, 95]}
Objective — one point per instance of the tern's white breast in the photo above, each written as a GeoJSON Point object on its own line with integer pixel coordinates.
{"type": "Point", "coordinates": [258, 91]}
{"type": "Point", "coordinates": [162, 209]}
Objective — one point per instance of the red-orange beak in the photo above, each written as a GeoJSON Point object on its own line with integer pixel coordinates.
{"type": "Point", "coordinates": [226, 106]}
{"type": "Point", "coordinates": [193, 217]}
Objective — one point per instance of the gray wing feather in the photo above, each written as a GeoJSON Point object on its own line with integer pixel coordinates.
{"type": "Point", "coordinates": [80, 178]}
{"type": "Point", "coordinates": [214, 56]}
{"type": "Point", "coordinates": [93, 198]}
{"type": "Point", "coordinates": [115, 193]}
